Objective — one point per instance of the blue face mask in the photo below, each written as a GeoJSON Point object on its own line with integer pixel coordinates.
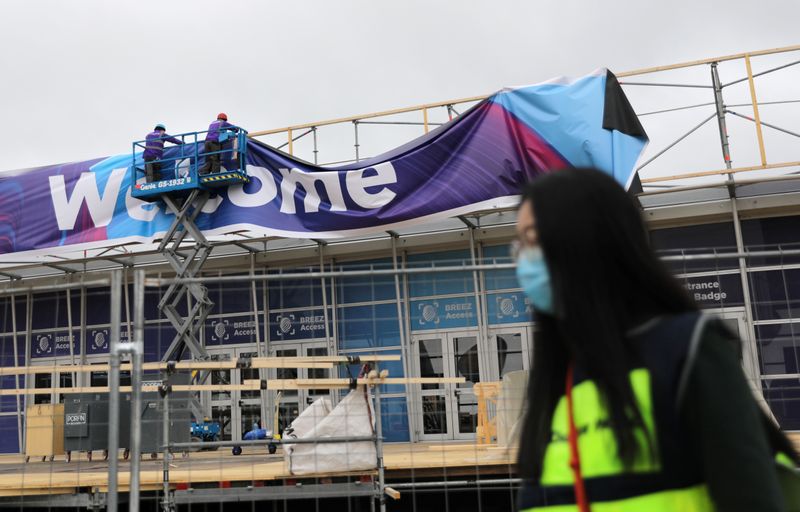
{"type": "Point", "coordinates": [534, 278]}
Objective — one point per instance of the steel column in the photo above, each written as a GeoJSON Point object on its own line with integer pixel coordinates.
{"type": "Point", "coordinates": [16, 364]}
{"type": "Point", "coordinates": [113, 396]}
{"type": "Point", "coordinates": [136, 387]}
{"type": "Point", "coordinates": [737, 228]}
{"type": "Point", "coordinates": [404, 341]}
{"type": "Point", "coordinates": [720, 107]}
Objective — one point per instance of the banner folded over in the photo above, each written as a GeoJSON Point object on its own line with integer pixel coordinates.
{"type": "Point", "coordinates": [478, 161]}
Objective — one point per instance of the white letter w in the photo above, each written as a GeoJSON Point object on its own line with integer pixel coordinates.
{"type": "Point", "coordinates": [100, 210]}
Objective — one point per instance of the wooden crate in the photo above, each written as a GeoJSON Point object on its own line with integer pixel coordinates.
{"type": "Point", "coordinates": [44, 430]}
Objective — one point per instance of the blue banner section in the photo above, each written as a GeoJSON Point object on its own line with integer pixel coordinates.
{"type": "Point", "coordinates": [54, 344]}
{"type": "Point", "coordinates": [508, 308]}
{"type": "Point", "coordinates": [479, 160]}
{"type": "Point", "coordinates": [231, 330]}
{"type": "Point", "coordinates": [98, 339]}
{"type": "Point", "coordinates": [447, 313]}
{"type": "Point", "coordinates": [298, 325]}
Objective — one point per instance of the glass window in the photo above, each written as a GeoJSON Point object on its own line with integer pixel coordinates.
{"type": "Point", "coordinates": [98, 379]}
{"type": "Point", "coordinates": [50, 310]}
{"type": "Point", "coordinates": [98, 306]}
{"type": "Point", "coordinates": [394, 415]}
{"type": "Point", "coordinates": [42, 381]}
{"type": "Point", "coordinates": [771, 234]}
{"type": "Point", "coordinates": [64, 381]}
{"type": "Point", "coordinates": [700, 239]}
{"type": "Point", "coordinates": [776, 294]}
{"type": "Point", "coordinates": [366, 289]}
{"type": "Point", "coordinates": [431, 361]}
{"type": "Point", "coordinates": [368, 326]}
{"type": "Point", "coordinates": [234, 297]}
{"type": "Point", "coordinates": [783, 398]}
{"type": "Point", "coordinates": [9, 434]}
{"type": "Point", "coordinates": [779, 348]}
{"type": "Point", "coordinates": [499, 279]}
{"type": "Point", "coordinates": [443, 283]}
{"type": "Point", "coordinates": [509, 352]}
{"type": "Point", "coordinates": [6, 322]}
{"type": "Point", "coordinates": [295, 294]}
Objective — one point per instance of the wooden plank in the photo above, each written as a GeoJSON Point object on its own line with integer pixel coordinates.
{"type": "Point", "coordinates": [370, 115]}
{"type": "Point", "coordinates": [232, 364]}
{"type": "Point", "coordinates": [210, 467]}
{"type": "Point", "coordinates": [720, 171]}
{"type": "Point", "coordinates": [756, 114]}
{"type": "Point", "coordinates": [289, 362]}
{"type": "Point", "coordinates": [248, 385]}
{"type": "Point", "coordinates": [283, 384]}
{"type": "Point", "coordinates": [691, 63]}
{"type": "Point", "coordinates": [366, 358]}
{"type": "Point", "coordinates": [392, 493]}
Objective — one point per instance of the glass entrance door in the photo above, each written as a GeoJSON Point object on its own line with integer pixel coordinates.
{"type": "Point", "coordinates": [222, 401]}
{"type": "Point", "coordinates": [236, 411]}
{"type": "Point", "coordinates": [509, 350]}
{"type": "Point", "coordinates": [448, 411]}
{"type": "Point", "coordinates": [249, 411]}
{"type": "Point", "coordinates": [294, 401]}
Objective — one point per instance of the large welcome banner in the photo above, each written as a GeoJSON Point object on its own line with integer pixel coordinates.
{"type": "Point", "coordinates": [478, 161]}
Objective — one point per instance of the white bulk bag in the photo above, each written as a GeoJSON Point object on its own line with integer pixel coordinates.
{"type": "Point", "coordinates": [308, 419]}
{"type": "Point", "coordinates": [352, 417]}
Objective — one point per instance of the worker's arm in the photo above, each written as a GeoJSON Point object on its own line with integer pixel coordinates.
{"type": "Point", "coordinates": [726, 428]}
{"type": "Point", "coordinates": [172, 139]}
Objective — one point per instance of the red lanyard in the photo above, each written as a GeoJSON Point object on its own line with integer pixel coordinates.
{"type": "Point", "coordinates": [575, 459]}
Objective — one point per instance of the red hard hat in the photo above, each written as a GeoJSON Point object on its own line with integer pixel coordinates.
{"type": "Point", "coordinates": [223, 116]}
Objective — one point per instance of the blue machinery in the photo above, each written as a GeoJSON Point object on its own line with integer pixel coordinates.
{"type": "Point", "coordinates": [181, 166]}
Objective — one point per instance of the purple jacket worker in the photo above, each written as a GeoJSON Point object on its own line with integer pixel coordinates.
{"type": "Point", "coordinates": [154, 150]}
{"type": "Point", "coordinates": [218, 132]}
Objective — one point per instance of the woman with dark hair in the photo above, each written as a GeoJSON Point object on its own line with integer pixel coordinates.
{"type": "Point", "coordinates": [636, 401]}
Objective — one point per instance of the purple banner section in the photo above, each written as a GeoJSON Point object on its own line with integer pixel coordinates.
{"type": "Point", "coordinates": [480, 160]}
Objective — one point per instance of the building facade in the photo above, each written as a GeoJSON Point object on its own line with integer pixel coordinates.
{"type": "Point", "coordinates": [474, 324]}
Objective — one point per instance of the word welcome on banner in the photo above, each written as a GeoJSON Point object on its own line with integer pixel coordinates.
{"type": "Point", "coordinates": [477, 161]}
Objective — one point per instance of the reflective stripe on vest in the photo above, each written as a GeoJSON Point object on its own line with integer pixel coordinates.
{"type": "Point", "coordinates": [609, 486]}
{"type": "Point", "coordinates": [690, 499]}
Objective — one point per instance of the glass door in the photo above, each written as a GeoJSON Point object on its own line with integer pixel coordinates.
{"type": "Point", "coordinates": [465, 363]}
{"type": "Point", "coordinates": [222, 401]}
{"type": "Point", "coordinates": [435, 422]}
{"type": "Point", "coordinates": [248, 412]}
{"type": "Point", "coordinates": [289, 399]}
{"type": "Point", "coordinates": [447, 411]}
{"type": "Point", "coordinates": [509, 350]}
{"type": "Point", "coordinates": [294, 401]}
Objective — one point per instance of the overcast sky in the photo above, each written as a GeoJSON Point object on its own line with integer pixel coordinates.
{"type": "Point", "coordinates": [83, 78]}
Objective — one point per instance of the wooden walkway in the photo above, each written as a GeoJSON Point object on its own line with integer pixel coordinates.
{"type": "Point", "coordinates": [203, 469]}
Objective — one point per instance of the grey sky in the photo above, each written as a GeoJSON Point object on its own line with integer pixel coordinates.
{"type": "Point", "coordinates": [82, 79]}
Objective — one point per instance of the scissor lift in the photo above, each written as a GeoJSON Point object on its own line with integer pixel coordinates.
{"type": "Point", "coordinates": [184, 190]}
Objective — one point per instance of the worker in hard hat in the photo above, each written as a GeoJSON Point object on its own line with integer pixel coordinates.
{"type": "Point", "coordinates": [154, 151]}
{"type": "Point", "coordinates": [218, 132]}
